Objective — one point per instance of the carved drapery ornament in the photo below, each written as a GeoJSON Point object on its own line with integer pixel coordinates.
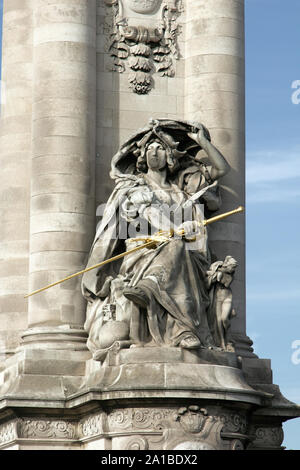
{"type": "Point", "coordinates": [144, 49]}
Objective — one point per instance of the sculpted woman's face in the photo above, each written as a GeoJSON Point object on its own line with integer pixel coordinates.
{"type": "Point", "coordinates": [156, 156]}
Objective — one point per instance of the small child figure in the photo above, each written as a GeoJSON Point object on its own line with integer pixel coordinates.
{"type": "Point", "coordinates": [219, 278]}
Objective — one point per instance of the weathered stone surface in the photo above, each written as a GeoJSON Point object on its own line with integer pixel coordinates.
{"type": "Point", "coordinates": [61, 136]}
{"type": "Point", "coordinates": [15, 147]}
{"type": "Point", "coordinates": [184, 426]}
{"type": "Point", "coordinates": [64, 117]}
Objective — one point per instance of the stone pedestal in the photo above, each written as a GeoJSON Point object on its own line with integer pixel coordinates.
{"type": "Point", "coordinates": [179, 400]}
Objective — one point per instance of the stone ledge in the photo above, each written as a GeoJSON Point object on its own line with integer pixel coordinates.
{"type": "Point", "coordinates": [65, 379]}
{"type": "Point", "coordinates": [168, 355]}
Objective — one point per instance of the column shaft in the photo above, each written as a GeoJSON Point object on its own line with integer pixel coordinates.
{"type": "Point", "coordinates": [62, 205]}
{"type": "Point", "coordinates": [15, 154]}
{"type": "Point", "coordinates": [215, 96]}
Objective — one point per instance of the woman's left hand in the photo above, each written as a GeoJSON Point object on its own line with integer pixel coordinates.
{"type": "Point", "coordinates": [200, 137]}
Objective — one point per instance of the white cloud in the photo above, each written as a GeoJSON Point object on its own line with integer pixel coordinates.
{"type": "Point", "coordinates": [276, 294]}
{"type": "Point", "coordinates": [270, 193]}
{"type": "Point", "coordinates": [272, 166]}
{"type": "Point", "coordinates": [273, 176]}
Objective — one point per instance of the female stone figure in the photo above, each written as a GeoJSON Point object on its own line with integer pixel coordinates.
{"type": "Point", "coordinates": [156, 296]}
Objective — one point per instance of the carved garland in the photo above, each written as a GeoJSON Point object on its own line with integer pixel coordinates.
{"type": "Point", "coordinates": [148, 50]}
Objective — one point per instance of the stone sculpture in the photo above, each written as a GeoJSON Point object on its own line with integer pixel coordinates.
{"type": "Point", "coordinates": [157, 296]}
{"type": "Point", "coordinates": [219, 278]}
{"type": "Point", "coordinates": [53, 394]}
{"type": "Point", "coordinates": [147, 48]}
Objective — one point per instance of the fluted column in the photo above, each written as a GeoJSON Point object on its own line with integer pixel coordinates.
{"type": "Point", "coordinates": [215, 96]}
{"type": "Point", "coordinates": [15, 155]}
{"type": "Point", "coordinates": [63, 166]}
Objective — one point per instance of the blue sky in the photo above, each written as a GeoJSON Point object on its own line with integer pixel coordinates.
{"type": "Point", "coordinates": [1, 11]}
{"type": "Point", "coordinates": [273, 191]}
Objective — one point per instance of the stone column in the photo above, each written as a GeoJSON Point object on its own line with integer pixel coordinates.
{"type": "Point", "coordinates": [215, 96]}
{"type": "Point", "coordinates": [62, 203]}
{"type": "Point", "coordinates": [15, 153]}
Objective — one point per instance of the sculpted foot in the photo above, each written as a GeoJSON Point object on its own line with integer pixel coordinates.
{"type": "Point", "coordinates": [190, 342]}
{"type": "Point", "coordinates": [136, 295]}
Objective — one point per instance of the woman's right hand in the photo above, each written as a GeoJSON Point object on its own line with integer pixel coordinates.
{"type": "Point", "coordinates": [189, 229]}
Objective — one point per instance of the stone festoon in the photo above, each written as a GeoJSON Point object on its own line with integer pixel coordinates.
{"type": "Point", "coordinates": [123, 123]}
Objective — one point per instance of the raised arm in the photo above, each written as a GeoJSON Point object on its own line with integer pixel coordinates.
{"type": "Point", "coordinates": [220, 166]}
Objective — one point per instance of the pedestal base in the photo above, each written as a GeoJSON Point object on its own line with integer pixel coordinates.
{"type": "Point", "coordinates": [181, 400]}
{"type": "Point", "coordinates": [62, 338]}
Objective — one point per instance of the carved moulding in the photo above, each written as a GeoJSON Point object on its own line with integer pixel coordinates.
{"type": "Point", "coordinates": [91, 426]}
{"type": "Point", "coordinates": [266, 437]}
{"type": "Point", "coordinates": [49, 429]}
{"type": "Point", "coordinates": [36, 430]}
{"type": "Point", "coordinates": [8, 432]}
{"type": "Point", "coordinates": [235, 429]}
{"type": "Point", "coordinates": [187, 427]}
{"type": "Point", "coordinates": [144, 49]}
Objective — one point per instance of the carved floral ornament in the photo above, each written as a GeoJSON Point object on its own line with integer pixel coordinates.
{"type": "Point", "coordinates": [145, 49]}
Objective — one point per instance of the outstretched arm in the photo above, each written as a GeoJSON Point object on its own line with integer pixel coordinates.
{"type": "Point", "coordinates": [220, 166]}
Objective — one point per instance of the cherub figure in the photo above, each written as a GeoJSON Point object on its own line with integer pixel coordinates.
{"type": "Point", "coordinates": [219, 278]}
